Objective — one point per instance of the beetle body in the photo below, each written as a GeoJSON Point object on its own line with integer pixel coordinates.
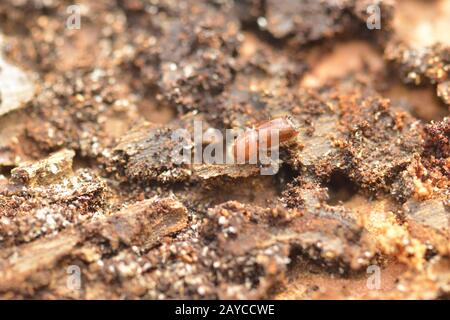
{"type": "Point", "coordinates": [251, 141]}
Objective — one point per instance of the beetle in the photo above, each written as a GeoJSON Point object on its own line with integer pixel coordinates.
{"type": "Point", "coordinates": [249, 142]}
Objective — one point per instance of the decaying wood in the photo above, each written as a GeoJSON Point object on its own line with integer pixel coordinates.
{"type": "Point", "coordinates": [142, 224]}
{"type": "Point", "coordinates": [16, 87]}
{"type": "Point", "coordinates": [89, 175]}
{"type": "Point", "coordinates": [46, 171]}
{"type": "Point", "coordinates": [429, 221]}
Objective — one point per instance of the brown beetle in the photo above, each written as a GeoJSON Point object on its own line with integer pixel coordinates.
{"type": "Point", "coordinates": [249, 141]}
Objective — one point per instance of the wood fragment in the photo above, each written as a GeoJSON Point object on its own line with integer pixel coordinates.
{"type": "Point", "coordinates": [142, 224]}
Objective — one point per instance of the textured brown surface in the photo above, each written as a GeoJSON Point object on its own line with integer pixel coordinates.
{"type": "Point", "coordinates": [87, 176]}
